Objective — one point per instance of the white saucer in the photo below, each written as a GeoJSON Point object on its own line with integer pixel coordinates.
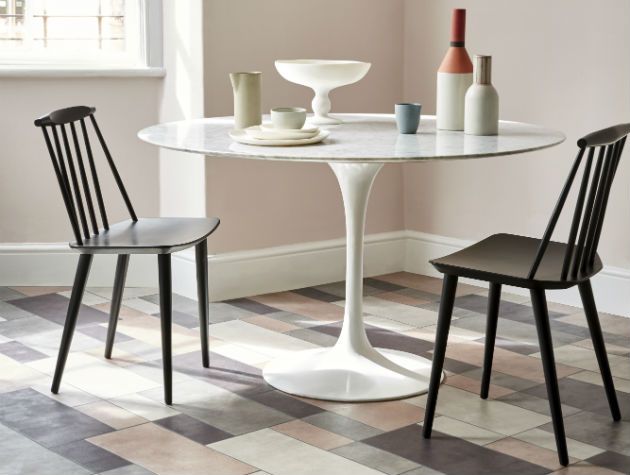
{"type": "Point", "coordinates": [304, 129]}
{"type": "Point", "coordinates": [241, 136]}
{"type": "Point", "coordinates": [279, 134]}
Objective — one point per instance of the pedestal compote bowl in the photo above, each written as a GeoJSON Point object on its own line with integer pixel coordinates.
{"type": "Point", "coordinates": [322, 75]}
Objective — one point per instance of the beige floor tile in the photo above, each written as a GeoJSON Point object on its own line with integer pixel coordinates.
{"type": "Point", "coordinates": [238, 353]}
{"type": "Point", "coordinates": [414, 316]}
{"type": "Point", "coordinates": [610, 348]}
{"type": "Point", "coordinates": [257, 339]}
{"type": "Point", "coordinates": [110, 414]}
{"type": "Point", "coordinates": [508, 362]}
{"type": "Point", "coordinates": [584, 468]}
{"type": "Point", "coordinates": [295, 303]}
{"type": "Point", "coordinates": [592, 377]}
{"type": "Point", "coordinates": [529, 452]}
{"type": "Point", "coordinates": [124, 312]}
{"type": "Point", "coordinates": [473, 386]}
{"type": "Point", "coordinates": [492, 415]}
{"type": "Point", "coordinates": [402, 298]}
{"type": "Point", "coordinates": [462, 430]}
{"type": "Point", "coordinates": [15, 376]}
{"type": "Point", "coordinates": [610, 323]}
{"type": "Point", "coordinates": [147, 329]}
{"type": "Point", "coordinates": [426, 283]}
{"type": "Point", "coordinates": [34, 291]}
{"type": "Point", "coordinates": [141, 305]}
{"type": "Point", "coordinates": [271, 323]}
{"type": "Point", "coordinates": [455, 334]}
{"type": "Point", "coordinates": [97, 376]}
{"type": "Point", "coordinates": [583, 358]}
{"type": "Point", "coordinates": [542, 438]}
{"type": "Point", "coordinates": [280, 454]}
{"type": "Point", "coordinates": [68, 394]}
{"type": "Point", "coordinates": [168, 453]}
{"type": "Point", "coordinates": [387, 324]}
{"type": "Point", "coordinates": [386, 415]}
{"type": "Point", "coordinates": [88, 298]}
{"type": "Point", "coordinates": [312, 435]}
{"type": "Point", "coordinates": [144, 407]}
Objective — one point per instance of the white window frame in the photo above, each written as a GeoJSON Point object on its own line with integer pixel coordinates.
{"type": "Point", "coordinates": [147, 56]}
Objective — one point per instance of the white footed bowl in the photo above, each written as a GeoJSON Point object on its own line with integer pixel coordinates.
{"type": "Point", "coordinates": [322, 75]}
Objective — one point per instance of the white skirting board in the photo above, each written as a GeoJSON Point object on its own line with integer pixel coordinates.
{"type": "Point", "coordinates": [246, 273]}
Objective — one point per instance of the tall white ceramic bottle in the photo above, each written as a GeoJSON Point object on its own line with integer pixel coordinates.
{"type": "Point", "coordinates": [482, 101]}
{"type": "Point", "coordinates": [454, 77]}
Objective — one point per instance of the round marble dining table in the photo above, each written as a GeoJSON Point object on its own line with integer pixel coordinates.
{"type": "Point", "coordinates": [352, 369]}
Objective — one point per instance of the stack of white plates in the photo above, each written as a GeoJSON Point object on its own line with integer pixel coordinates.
{"type": "Point", "coordinates": [267, 134]}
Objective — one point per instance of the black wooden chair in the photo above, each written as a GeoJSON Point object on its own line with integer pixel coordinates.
{"type": "Point", "coordinates": [538, 265]}
{"type": "Point", "coordinates": [161, 236]}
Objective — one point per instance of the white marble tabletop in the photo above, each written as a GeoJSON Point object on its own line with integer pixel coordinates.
{"type": "Point", "coordinates": [361, 138]}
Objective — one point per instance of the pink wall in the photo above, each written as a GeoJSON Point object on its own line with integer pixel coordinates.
{"type": "Point", "coordinates": [564, 64]}
{"type": "Point", "coordinates": [270, 204]}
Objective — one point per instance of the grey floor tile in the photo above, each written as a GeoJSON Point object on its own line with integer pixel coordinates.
{"type": "Point", "coordinates": [376, 458]}
{"type": "Point", "coordinates": [20, 353]}
{"type": "Point", "coordinates": [22, 456]}
{"type": "Point", "coordinates": [317, 294]}
{"type": "Point", "coordinates": [251, 306]}
{"type": "Point", "coordinates": [313, 336]}
{"type": "Point", "coordinates": [342, 425]}
{"type": "Point", "coordinates": [9, 311]}
{"type": "Point", "coordinates": [611, 460]}
{"type": "Point", "coordinates": [46, 421]}
{"type": "Point", "coordinates": [423, 471]}
{"type": "Point", "coordinates": [89, 456]}
{"type": "Point", "coordinates": [585, 396]}
{"type": "Point", "coordinates": [25, 327]}
{"type": "Point", "coordinates": [180, 303]}
{"type": "Point", "coordinates": [183, 319]}
{"type": "Point", "coordinates": [99, 332]}
{"type": "Point", "coordinates": [339, 289]}
{"type": "Point", "coordinates": [502, 379]}
{"type": "Point", "coordinates": [7, 293]}
{"type": "Point", "coordinates": [285, 403]}
{"type": "Point", "coordinates": [295, 319]}
{"type": "Point", "coordinates": [597, 430]}
{"type": "Point", "coordinates": [193, 429]}
{"type": "Point", "coordinates": [516, 346]}
{"type": "Point", "coordinates": [53, 307]}
{"type": "Point", "coordinates": [382, 285]}
{"type": "Point", "coordinates": [536, 403]}
{"type": "Point", "coordinates": [128, 470]}
{"type": "Point", "coordinates": [450, 455]}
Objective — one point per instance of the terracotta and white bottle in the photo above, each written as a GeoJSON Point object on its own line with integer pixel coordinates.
{"type": "Point", "coordinates": [454, 77]}
{"type": "Point", "coordinates": [482, 101]}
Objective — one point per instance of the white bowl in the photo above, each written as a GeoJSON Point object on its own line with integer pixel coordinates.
{"type": "Point", "coordinates": [288, 117]}
{"type": "Point", "coordinates": [322, 75]}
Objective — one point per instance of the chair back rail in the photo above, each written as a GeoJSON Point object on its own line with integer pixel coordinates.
{"type": "Point", "coordinates": [591, 202]}
{"type": "Point", "coordinates": [70, 170]}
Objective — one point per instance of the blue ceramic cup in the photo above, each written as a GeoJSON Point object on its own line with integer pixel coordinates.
{"type": "Point", "coordinates": [407, 117]}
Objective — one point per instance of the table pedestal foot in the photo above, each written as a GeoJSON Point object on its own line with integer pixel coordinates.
{"type": "Point", "coordinates": [337, 374]}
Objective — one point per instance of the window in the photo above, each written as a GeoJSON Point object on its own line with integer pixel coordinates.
{"type": "Point", "coordinates": [76, 33]}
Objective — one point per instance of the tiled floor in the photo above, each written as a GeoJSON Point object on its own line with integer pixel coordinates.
{"type": "Point", "coordinates": [109, 417]}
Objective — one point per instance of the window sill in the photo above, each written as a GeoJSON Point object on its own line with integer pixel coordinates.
{"type": "Point", "coordinates": [86, 72]}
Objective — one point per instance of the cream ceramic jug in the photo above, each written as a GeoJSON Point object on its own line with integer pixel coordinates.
{"type": "Point", "coordinates": [247, 102]}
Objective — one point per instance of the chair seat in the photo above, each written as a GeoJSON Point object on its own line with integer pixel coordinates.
{"type": "Point", "coordinates": [508, 258]}
{"type": "Point", "coordinates": [149, 236]}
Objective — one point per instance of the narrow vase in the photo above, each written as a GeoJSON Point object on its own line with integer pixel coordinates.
{"type": "Point", "coordinates": [247, 99]}
{"type": "Point", "coordinates": [482, 101]}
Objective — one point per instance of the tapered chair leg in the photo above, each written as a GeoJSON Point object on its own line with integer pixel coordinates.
{"type": "Point", "coordinates": [494, 299]}
{"type": "Point", "coordinates": [444, 323]}
{"type": "Point", "coordinates": [166, 315]}
{"type": "Point", "coordinates": [201, 256]}
{"type": "Point", "coordinates": [588, 301]}
{"type": "Point", "coordinates": [541, 315]}
{"type": "Point", "coordinates": [117, 295]}
{"type": "Point", "coordinates": [78, 288]}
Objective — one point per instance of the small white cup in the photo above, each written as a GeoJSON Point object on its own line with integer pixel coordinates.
{"type": "Point", "coordinates": [288, 117]}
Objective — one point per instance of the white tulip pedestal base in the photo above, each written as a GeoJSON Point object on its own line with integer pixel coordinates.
{"type": "Point", "coordinates": [352, 370]}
